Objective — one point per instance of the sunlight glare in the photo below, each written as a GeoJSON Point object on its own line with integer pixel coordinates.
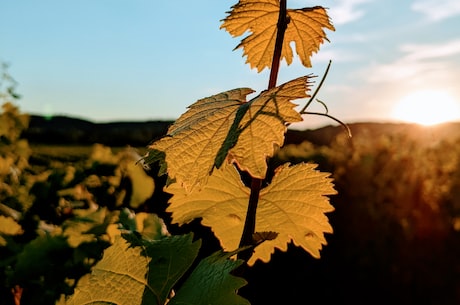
{"type": "Point", "coordinates": [427, 107]}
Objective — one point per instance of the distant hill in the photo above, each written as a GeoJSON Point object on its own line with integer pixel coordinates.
{"type": "Point", "coordinates": [427, 135]}
{"type": "Point", "coordinates": [67, 130]}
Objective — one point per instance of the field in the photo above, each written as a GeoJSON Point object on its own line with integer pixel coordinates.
{"type": "Point", "coordinates": [70, 152]}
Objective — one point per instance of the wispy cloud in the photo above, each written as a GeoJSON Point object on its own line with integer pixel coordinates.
{"type": "Point", "coordinates": [408, 72]}
{"type": "Point", "coordinates": [436, 10]}
{"type": "Point", "coordinates": [340, 11]}
{"type": "Point", "coordinates": [428, 51]}
{"type": "Point", "coordinates": [336, 55]}
{"type": "Point", "coordinates": [420, 62]}
{"type": "Point", "coordinates": [346, 11]}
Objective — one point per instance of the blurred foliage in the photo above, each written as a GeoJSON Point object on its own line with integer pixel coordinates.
{"type": "Point", "coordinates": [12, 123]}
{"type": "Point", "coordinates": [57, 215]}
{"type": "Point", "coordinates": [7, 85]}
{"type": "Point", "coordinates": [414, 182]}
{"type": "Point", "coordinates": [396, 225]}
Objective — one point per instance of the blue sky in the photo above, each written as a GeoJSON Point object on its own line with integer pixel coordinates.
{"type": "Point", "coordinates": [107, 60]}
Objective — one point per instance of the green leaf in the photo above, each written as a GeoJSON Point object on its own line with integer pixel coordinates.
{"type": "Point", "coordinates": [42, 255]}
{"type": "Point", "coordinates": [138, 272]}
{"type": "Point", "coordinates": [226, 127]}
{"type": "Point", "coordinates": [212, 283]}
{"type": "Point", "coordinates": [127, 220]}
{"type": "Point", "coordinates": [293, 205]}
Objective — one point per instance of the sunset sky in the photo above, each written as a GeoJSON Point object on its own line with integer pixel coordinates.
{"type": "Point", "coordinates": [108, 60]}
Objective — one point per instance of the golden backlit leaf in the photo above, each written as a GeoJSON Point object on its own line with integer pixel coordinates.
{"type": "Point", "coordinates": [226, 127]}
{"type": "Point", "coordinates": [264, 126]}
{"type": "Point", "coordinates": [119, 278]}
{"type": "Point", "coordinates": [260, 18]}
{"type": "Point", "coordinates": [137, 271]}
{"type": "Point", "coordinates": [293, 205]}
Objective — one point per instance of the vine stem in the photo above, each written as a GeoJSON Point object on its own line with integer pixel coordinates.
{"type": "Point", "coordinates": [281, 29]}
{"type": "Point", "coordinates": [256, 183]}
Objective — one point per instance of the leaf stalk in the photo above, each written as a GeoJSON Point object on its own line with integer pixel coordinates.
{"type": "Point", "coordinates": [317, 88]}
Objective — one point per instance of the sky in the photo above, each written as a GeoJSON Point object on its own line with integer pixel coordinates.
{"type": "Point", "coordinates": [138, 60]}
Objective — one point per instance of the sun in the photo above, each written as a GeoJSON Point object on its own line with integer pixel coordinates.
{"type": "Point", "coordinates": [427, 107]}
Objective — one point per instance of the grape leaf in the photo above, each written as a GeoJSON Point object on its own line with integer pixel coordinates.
{"type": "Point", "coordinates": [147, 225]}
{"type": "Point", "coordinates": [226, 127]}
{"type": "Point", "coordinates": [260, 17]}
{"type": "Point", "coordinates": [142, 184]}
{"type": "Point", "coordinates": [88, 226]}
{"type": "Point", "coordinates": [212, 283]}
{"type": "Point", "coordinates": [151, 226]}
{"type": "Point", "coordinates": [136, 182]}
{"type": "Point", "coordinates": [142, 272]}
{"type": "Point", "coordinates": [293, 206]}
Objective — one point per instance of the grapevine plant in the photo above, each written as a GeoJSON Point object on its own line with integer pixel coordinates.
{"type": "Point", "coordinates": [215, 157]}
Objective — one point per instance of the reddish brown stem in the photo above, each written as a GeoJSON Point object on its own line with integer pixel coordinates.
{"type": "Point", "coordinates": [256, 184]}
{"type": "Point", "coordinates": [282, 25]}
{"type": "Point", "coordinates": [250, 223]}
